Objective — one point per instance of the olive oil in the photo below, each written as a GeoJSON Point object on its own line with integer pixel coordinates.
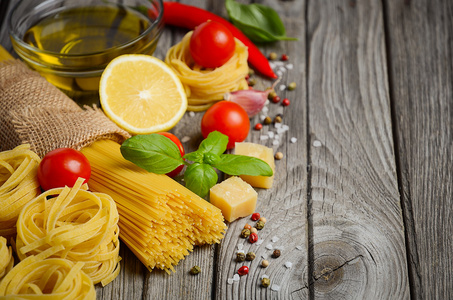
{"type": "Point", "coordinates": [77, 43]}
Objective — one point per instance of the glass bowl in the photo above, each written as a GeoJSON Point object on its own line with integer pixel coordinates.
{"type": "Point", "coordinates": [71, 41]}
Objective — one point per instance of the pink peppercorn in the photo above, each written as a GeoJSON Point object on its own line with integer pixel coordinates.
{"type": "Point", "coordinates": [285, 57]}
{"type": "Point", "coordinates": [255, 216]}
{"type": "Point", "coordinates": [244, 270]}
{"type": "Point", "coordinates": [253, 238]}
{"type": "Point", "coordinates": [276, 99]}
{"type": "Point", "coordinates": [258, 126]}
{"type": "Point", "coordinates": [285, 102]}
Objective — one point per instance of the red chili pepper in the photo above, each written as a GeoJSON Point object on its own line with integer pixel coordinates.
{"type": "Point", "coordinates": [187, 16]}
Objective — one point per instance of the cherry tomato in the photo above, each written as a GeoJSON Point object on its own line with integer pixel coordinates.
{"type": "Point", "coordinates": [62, 167]}
{"type": "Point", "coordinates": [211, 44]}
{"type": "Point", "coordinates": [181, 149]}
{"type": "Point", "coordinates": [228, 118]}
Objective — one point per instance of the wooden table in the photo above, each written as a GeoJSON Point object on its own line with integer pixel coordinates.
{"type": "Point", "coordinates": [362, 201]}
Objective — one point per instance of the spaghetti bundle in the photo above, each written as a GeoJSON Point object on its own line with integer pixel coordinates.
{"type": "Point", "coordinates": [204, 87]}
{"type": "Point", "coordinates": [6, 258]}
{"type": "Point", "coordinates": [18, 185]}
{"type": "Point", "coordinates": [160, 220]}
{"type": "Point", "coordinates": [39, 277]}
{"type": "Point", "coordinates": [82, 223]}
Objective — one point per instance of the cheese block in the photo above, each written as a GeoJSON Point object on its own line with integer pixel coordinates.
{"type": "Point", "coordinates": [235, 198]}
{"type": "Point", "coordinates": [261, 152]}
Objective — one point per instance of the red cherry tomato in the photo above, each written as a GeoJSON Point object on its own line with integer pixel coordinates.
{"type": "Point", "coordinates": [181, 149]}
{"type": "Point", "coordinates": [228, 118]}
{"type": "Point", "coordinates": [211, 44]}
{"type": "Point", "coordinates": [62, 167]}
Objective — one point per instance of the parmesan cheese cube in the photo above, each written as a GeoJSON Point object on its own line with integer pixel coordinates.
{"type": "Point", "coordinates": [234, 197]}
{"type": "Point", "coordinates": [261, 152]}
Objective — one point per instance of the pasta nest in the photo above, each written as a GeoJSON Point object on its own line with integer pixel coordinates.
{"type": "Point", "coordinates": [83, 223]}
{"type": "Point", "coordinates": [18, 185]}
{"type": "Point", "coordinates": [39, 277]}
{"type": "Point", "coordinates": [204, 87]}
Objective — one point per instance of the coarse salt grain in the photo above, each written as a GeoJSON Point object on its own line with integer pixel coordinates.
{"type": "Point", "coordinates": [275, 142]}
{"type": "Point", "coordinates": [293, 140]}
{"type": "Point", "coordinates": [282, 87]}
{"type": "Point", "coordinates": [278, 125]}
{"type": "Point", "coordinates": [282, 68]}
{"type": "Point", "coordinates": [264, 276]}
{"type": "Point", "coordinates": [241, 251]}
{"type": "Point", "coordinates": [275, 287]}
{"type": "Point", "coordinates": [230, 281]}
{"type": "Point", "coordinates": [185, 139]}
{"type": "Point", "coordinates": [275, 239]}
{"type": "Point", "coordinates": [191, 114]}
{"type": "Point", "coordinates": [288, 264]}
{"type": "Point", "coordinates": [289, 66]}
{"type": "Point", "coordinates": [240, 246]}
{"type": "Point", "coordinates": [317, 144]}
{"type": "Point", "coordinates": [264, 137]}
{"type": "Point", "coordinates": [236, 277]}
{"type": "Point", "coordinates": [276, 137]}
{"type": "Point", "coordinates": [280, 130]}
{"type": "Point", "coordinates": [299, 247]}
{"type": "Point", "coordinates": [265, 109]}
{"type": "Point", "coordinates": [269, 247]}
{"type": "Point", "coordinates": [270, 134]}
{"type": "Point", "coordinates": [285, 127]}
{"type": "Point", "coordinates": [279, 73]}
{"type": "Point", "coordinates": [262, 117]}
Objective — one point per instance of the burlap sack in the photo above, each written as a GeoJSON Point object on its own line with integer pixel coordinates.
{"type": "Point", "coordinates": [33, 111]}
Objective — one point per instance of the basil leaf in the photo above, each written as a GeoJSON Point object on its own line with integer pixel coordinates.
{"type": "Point", "coordinates": [215, 143]}
{"type": "Point", "coordinates": [154, 153]}
{"type": "Point", "coordinates": [258, 22]}
{"type": "Point", "coordinates": [200, 178]}
{"type": "Point", "coordinates": [233, 164]}
{"type": "Point", "coordinates": [194, 156]}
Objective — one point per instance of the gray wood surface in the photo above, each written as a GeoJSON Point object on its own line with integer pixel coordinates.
{"type": "Point", "coordinates": [420, 54]}
{"type": "Point", "coordinates": [361, 202]}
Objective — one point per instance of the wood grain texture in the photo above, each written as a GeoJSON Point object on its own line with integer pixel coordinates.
{"type": "Point", "coordinates": [358, 232]}
{"type": "Point", "coordinates": [420, 53]}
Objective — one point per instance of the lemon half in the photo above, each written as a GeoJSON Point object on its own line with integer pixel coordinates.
{"type": "Point", "coordinates": [141, 94]}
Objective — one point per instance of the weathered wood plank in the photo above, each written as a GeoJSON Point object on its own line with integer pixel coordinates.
{"type": "Point", "coordinates": [358, 233]}
{"type": "Point", "coordinates": [420, 51]}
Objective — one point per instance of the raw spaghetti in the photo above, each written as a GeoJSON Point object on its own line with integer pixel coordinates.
{"type": "Point", "coordinates": [160, 220]}
{"type": "Point", "coordinates": [42, 278]}
{"type": "Point", "coordinates": [85, 224]}
{"type": "Point", "coordinates": [18, 185]}
{"type": "Point", "coordinates": [204, 87]}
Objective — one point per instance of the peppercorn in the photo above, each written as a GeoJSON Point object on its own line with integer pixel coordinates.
{"type": "Point", "coordinates": [278, 119]}
{"type": "Point", "coordinates": [276, 99]}
{"type": "Point", "coordinates": [247, 226]}
{"type": "Point", "coordinates": [240, 256]}
{"type": "Point", "coordinates": [285, 102]}
{"type": "Point", "coordinates": [245, 233]}
{"type": "Point", "coordinates": [250, 256]}
{"type": "Point", "coordinates": [263, 219]}
{"type": "Point", "coordinates": [253, 230]}
{"type": "Point", "coordinates": [292, 86]}
{"type": "Point", "coordinates": [278, 155]}
{"type": "Point", "coordinates": [255, 216]}
{"type": "Point", "coordinates": [272, 56]}
{"type": "Point", "coordinates": [265, 282]}
{"type": "Point", "coordinates": [251, 72]}
{"type": "Point", "coordinates": [267, 120]}
{"type": "Point", "coordinates": [195, 270]}
{"type": "Point", "coordinates": [271, 95]}
{"type": "Point", "coordinates": [276, 253]}
{"type": "Point", "coordinates": [265, 263]}
{"type": "Point", "coordinates": [285, 57]}
{"type": "Point", "coordinates": [244, 270]}
{"type": "Point", "coordinates": [252, 81]}
{"type": "Point", "coordinates": [258, 126]}
{"type": "Point", "coordinates": [253, 238]}
{"type": "Point", "coordinates": [259, 225]}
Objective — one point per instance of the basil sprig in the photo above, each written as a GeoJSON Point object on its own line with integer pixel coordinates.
{"type": "Point", "coordinates": [258, 22]}
{"type": "Point", "coordinates": [158, 154]}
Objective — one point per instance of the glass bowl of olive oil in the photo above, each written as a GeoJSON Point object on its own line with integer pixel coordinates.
{"type": "Point", "coordinates": [71, 41]}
